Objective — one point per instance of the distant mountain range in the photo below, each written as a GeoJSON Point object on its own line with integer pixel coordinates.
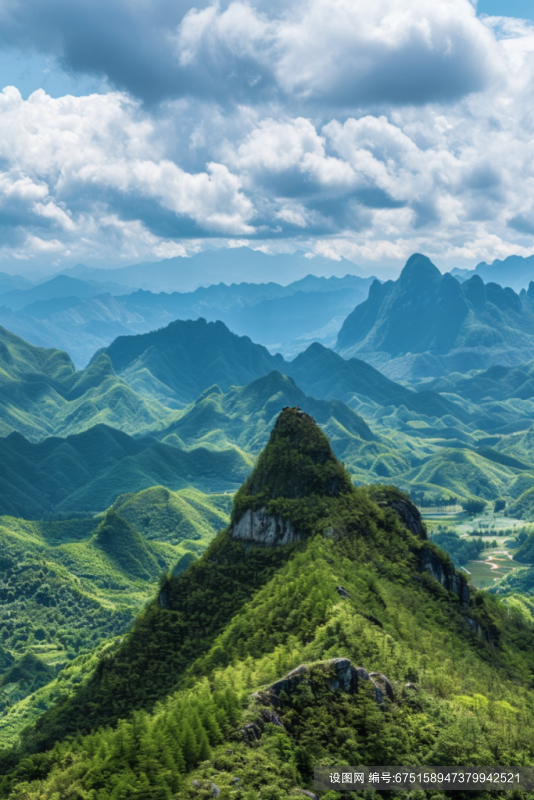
{"type": "Point", "coordinates": [427, 324]}
{"type": "Point", "coordinates": [62, 287]}
{"type": "Point", "coordinates": [193, 403]}
{"type": "Point", "coordinates": [230, 265]}
{"type": "Point", "coordinates": [208, 353]}
{"type": "Point", "coordinates": [83, 316]}
{"type": "Point", "coordinates": [515, 271]}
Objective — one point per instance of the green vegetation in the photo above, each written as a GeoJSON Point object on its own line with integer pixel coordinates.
{"type": "Point", "coordinates": [168, 704]}
{"type": "Point", "coordinates": [185, 517]}
{"type": "Point", "coordinates": [41, 394]}
{"type": "Point", "coordinates": [85, 473]}
{"type": "Point", "coordinates": [67, 586]}
{"type": "Point", "coordinates": [460, 550]}
{"type": "Point", "coordinates": [474, 506]}
{"type": "Point", "coordinates": [525, 552]}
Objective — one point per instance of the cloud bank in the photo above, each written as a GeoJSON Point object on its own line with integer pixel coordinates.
{"type": "Point", "coordinates": [364, 130]}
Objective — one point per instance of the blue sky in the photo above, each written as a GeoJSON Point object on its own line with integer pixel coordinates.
{"type": "Point", "coordinates": [508, 8]}
{"type": "Point", "coordinates": [133, 130]}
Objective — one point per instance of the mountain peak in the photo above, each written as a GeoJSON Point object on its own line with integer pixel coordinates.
{"type": "Point", "coordinates": [419, 268]}
{"type": "Point", "coordinates": [297, 463]}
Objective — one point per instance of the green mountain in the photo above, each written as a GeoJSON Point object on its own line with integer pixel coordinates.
{"type": "Point", "coordinates": [427, 324]}
{"type": "Point", "coordinates": [208, 354]}
{"type": "Point", "coordinates": [244, 416]}
{"type": "Point", "coordinates": [85, 473]}
{"type": "Point", "coordinates": [463, 473]}
{"type": "Point", "coordinates": [177, 363]}
{"type": "Point", "coordinates": [187, 517]}
{"type": "Point", "coordinates": [65, 587]}
{"type": "Point", "coordinates": [125, 546]}
{"type": "Point", "coordinates": [41, 394]}
{"type": "Point", "coordinates": [325, 374]}
{"type": "Point", "coordinates": [320, 627]}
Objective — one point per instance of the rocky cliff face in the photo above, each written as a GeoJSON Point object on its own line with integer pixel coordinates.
{"type": "Point", "coordinates": [445, 574]}
{"type": "Point", "coordinates": [258, 527]}
{"type": "Point", "coordinates": [427, 325]}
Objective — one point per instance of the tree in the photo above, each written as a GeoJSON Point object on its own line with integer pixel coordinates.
{"type": "Point", "coordinates": [500, 505]}
{"type": "Point", "coordinates": [474, 506]}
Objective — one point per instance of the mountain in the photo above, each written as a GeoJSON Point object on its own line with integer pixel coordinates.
{"type": "Point", "coordinates": [320, 626]}
{"type": "Point", "coordinates": [497, 383]}
{"type": "Point", "coordinates": [73, 584]}
{"type": "Point", "coordinates": [10, 282]}
{"type": "Point", "coordinates": [176, 364]}
{"type": "Point", "coordinates": [244, 416]}
{"type": "Point", "coordinates": [231, 265]}
{"type": "Point", "coordinates": [427, 324]}
{"type": "Point", "coordinates": [514, 271]}
{"type": "Point", "coordinates": [86, 472]}
{"type": "Point", "coordinates": [62, 286]}
{"type": "Point", "coordinates": [284, 317]}
{"type": "Point", "coordinates": [187, 518]}
{"type": "Point", "coordinates": [42, 394]}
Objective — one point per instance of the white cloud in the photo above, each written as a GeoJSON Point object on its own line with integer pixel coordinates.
{"type": "Point", "coordinates": [367, 130]}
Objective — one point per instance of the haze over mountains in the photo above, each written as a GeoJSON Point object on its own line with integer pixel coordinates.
{"type": "Point", "coordinates": [83, 316]}
{"type": "Point", "coordinates": [427, 324]}
{"type": "Point", "coordinates": [516, 272]}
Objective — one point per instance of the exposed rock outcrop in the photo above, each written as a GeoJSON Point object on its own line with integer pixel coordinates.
{"type": "Point", "coordinates": [383, 687]}
{"type": "Point", "coordinates": [341, 676]}
{"type": "Point", "coordinates": [402, 506]}
{"type": "Point", "coordinates": [444, 573]}
{"type": "Point", "coordinates": [253, 730]}
{"type": "Point", "coordinates": [261, 528]}
{"type": "Point", "coordinates": [476, 628]}
{"type": "Point", "coordinates": [410, 516]}
{"type": "Point", "coordinates": [306, 793]}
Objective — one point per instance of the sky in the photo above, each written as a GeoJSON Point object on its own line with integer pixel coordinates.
{"type": "Point", "coordinates": [143, 129]}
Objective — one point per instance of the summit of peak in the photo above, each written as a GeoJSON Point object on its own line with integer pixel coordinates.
{"type": "Point", "coordinates": [297, 462]}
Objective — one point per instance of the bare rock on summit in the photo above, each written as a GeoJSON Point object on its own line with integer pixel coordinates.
{"type": "Point", "coordinates": [261, 528]}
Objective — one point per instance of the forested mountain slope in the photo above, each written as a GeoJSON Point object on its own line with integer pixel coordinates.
{"type": "Point", "coordinates": [399, 661]}
{"type": "Point", "coordinates": [41, 393]}
{"type": "Point", "coordinates": [85, 473]}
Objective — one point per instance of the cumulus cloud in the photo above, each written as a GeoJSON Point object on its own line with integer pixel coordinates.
{"type": "Point", "coordinates": [336, 52]}
{"type": "Point", "coordinates": [73, 163]}
{"type": "Point", "coordinates": [364, 130]}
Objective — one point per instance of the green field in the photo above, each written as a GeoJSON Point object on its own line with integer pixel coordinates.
{"type": "Point", "coordinates": [495, 566]}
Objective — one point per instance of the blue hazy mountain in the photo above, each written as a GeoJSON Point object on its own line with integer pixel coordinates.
{"type": "Point", "coordinates": [231, 265]}
{"type": "Point", "coordinates": [62, 286]}
{"type": "Point", "coordinates": [514, 271]}
{"type": "Point", "coordinates": [285, 318]}
{"type": "Point", "coordinates": [426, 324]}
